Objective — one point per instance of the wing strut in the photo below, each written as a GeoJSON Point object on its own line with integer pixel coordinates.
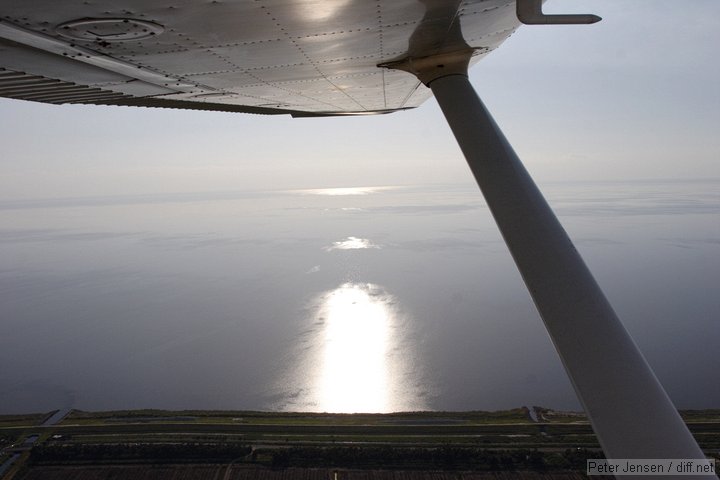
{"type": "Point", "coordinates": [630, 412]}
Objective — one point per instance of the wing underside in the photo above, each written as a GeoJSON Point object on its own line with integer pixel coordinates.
{"type": "Point", "coordinates": [303, 57]}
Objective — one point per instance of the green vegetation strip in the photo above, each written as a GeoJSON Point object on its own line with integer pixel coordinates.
{"type": "Point", "coordinates": [77, 417]}
{"type": "Point", "coordinates": [26, 419]}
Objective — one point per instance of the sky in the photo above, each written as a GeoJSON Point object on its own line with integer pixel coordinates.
{"type": "Point", "coordinates": [634, 97]}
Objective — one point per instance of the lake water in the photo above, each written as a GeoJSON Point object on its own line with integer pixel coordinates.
{"type": "Point", "coordinates": [365, 299]}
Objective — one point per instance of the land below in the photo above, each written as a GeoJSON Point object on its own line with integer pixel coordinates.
{"type": "Point", "coordinates": [520, 443]}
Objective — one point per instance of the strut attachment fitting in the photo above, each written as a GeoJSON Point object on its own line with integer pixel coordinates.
{"type": "Point", "coordinates": [530, 12]}
{"type": "Point", "coordinates": [427, 69]}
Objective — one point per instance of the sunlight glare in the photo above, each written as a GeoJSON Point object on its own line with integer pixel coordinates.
{"type": "Point", "coordinates": [321, 11]}
{"type": "Point", "coordinates": [334, 192]}
{"type": "Point", "coordinates": [354, 363]}
{"type": "Point", "coordinates": [352, 243]}
{"type": "Point", "coordinates": [344, 191]}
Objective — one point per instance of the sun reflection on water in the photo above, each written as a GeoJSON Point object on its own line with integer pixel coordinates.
{"type": "Point", "coordinates": [356, 355]}
{"type": "Point", "coordinates": [344, 191]}
{"type": "Point", "coordinates": [352, 243]}
{"type": "Point", "coordinates": [354, 375]}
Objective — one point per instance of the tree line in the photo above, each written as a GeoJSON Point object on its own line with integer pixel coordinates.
{"type": "Point", "coordinates": [443, 458]}
{"type": "Point", "coordinates": [189, 452]}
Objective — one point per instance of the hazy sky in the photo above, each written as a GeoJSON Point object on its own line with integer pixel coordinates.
{"type": "Point", "coordinates": [635, 96]}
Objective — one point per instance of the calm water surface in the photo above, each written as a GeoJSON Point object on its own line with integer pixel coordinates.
{"type": "Point", "coordinates": [342, 300]}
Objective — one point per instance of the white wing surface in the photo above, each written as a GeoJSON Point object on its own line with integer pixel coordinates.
{"type": "Point", "coordinates": [304, 57]}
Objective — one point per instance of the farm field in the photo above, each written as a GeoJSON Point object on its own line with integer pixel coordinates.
{"type": "Point", "coordinates": [189, 445]}
{"type": "Point", "coordinates": [213, 472]}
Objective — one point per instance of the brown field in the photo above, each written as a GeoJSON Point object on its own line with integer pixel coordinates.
{"type": "Point", "coordinates": [219, 472]}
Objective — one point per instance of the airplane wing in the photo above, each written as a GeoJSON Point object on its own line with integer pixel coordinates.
{"type": "Point", "coordinates": [302, 57]}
